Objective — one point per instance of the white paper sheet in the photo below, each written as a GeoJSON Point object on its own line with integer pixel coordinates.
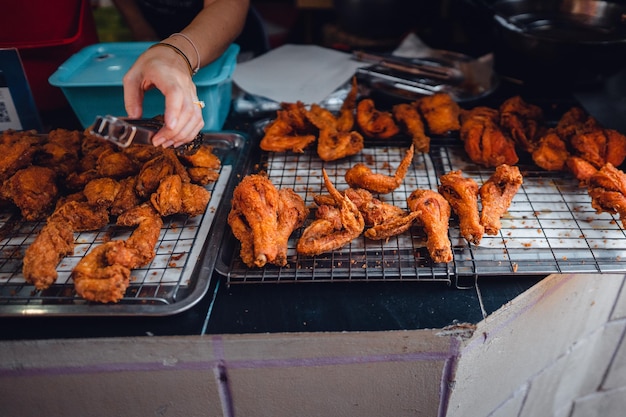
{"type": "Point", "coordinates": [290, 73]}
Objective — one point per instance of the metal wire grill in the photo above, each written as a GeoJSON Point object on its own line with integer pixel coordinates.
{"type": "Point", "coordinates": [550, 226]}
{"type": "Point", "coordinates": [167, 285]}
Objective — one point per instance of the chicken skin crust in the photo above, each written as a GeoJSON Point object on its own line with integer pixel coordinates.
{"type": "Point", "coordinates": [462, 194]}
{"type": "Point", "coordinates": [434, 217]}
{"type": "Point", "coordinates": [263, 218]}
{"type": "Point", "coordinates": [440, 112]}
{"type": "Point", "coordinates": [496, 195]}
{"type": "Point", "coordinates": [410, 121]}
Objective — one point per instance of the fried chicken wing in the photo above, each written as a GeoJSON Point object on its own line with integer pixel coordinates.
{"type": "Point", "coordinates": [333, 144]}
{"type": "Point", "coordinates": [176, 197]}
{"type": "Point", "coordinates": [33, 190]}
{"type": "Point", "coordinates": [434, 216]}
{"type": "Point", "coordinates": [159, 167]}
{"type": "Point", "coordinates": [440, 112]}
{"type": "Point", "coordinates": [484, 141]}
{"type": "Point", "coordinates": [361, 176]}
{"type": "Point", "coordinates": [263, 218]}
{"type": "Point", "coordinates": [462, 194]}
{"type": "Point", "coordinates": [346, 118]}
{"type": "Point", "coordinates": [338, 227]}
{"type": "Point", "coordinates": [410, 121]}
{"type": "Point", "coordinates": [289, 131]}
{"type": "Point", "coordinates": [607, 189]}
{"type": "Point", "coordinates": [522, 121]}
{"type": "Point", "coordinates": [496, 195]}
{"type": "Point", "coordinates": [374, 123]}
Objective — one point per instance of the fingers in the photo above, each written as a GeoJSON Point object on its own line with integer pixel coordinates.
{"type": "Point", "coordinates": [183, 121]}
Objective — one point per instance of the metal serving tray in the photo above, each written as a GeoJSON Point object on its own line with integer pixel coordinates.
{"type": "Point", "coordinates": [550, 226]}
{"type": "Point", "coordinates": [174, 281]}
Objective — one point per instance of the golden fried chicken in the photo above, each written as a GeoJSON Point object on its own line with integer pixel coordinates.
{"type": "Point", "coordinates": [54, 242]}
{"type": "Point", "coordinates": [334, 227]}
{"type": "Point", "coordinates": [522, 121]}
{"type": "Point", "coordinates": [33, 190]}
{"type": "Point", "coordinates": [551, 152]}
{"type": "Point", "coordinates": [382, 220]}
{"type": "Point", "coordinates": [175, 197]}
{"type": "Point", "coordinates": [80, 216]}
{"type": "Point", "coordinates": [440, 112]}
{"type": "Point", "coordinates": [434, 216]}
{"type": "Point", "coordinates": [61, 152]}
{"type": "Point", "coordinates": [95, 279]}
{"type": "Point", "coordinates": [153, 171]}
{"type": "Point", "coordinates": [115, 164]}
{"type": "Point", "coordinates": [496, 195]}
{"type": "Point", "coordinates": [462, 194]}
{"type": "Point", "coordinates": [202, 157]}
{"type": "Point", "coordinates": [361, 176]}
{"type": "Point", "coordinates": [607, 189]}
{"type": "Point", "coordinates": [484, 141]}
{"type": "Point", "coordinates": [333, 144]}
{"type": "Point", "coordinates": [139, 249]}
{"type": "Point", "coordinates": [580, 168]}
{"type": "Point", "coordinates": [374, 123]}
{"type": "Point", "coordinates": [410, 121]}
{"type": "Point", "coordinates": [126, 197]}
{"type": "Point", "coordinates": [574, 121]}
{"type": "Point", "coordinates": [17, 150]}
{"type": "Point", "coordinates": [263, 218]}
{"type": "Point", "coordinates": [289, 131]}
{"type": "Point", "coordinates": [101, 192]}
{"type": "Point", "coordinates": [195, 199]}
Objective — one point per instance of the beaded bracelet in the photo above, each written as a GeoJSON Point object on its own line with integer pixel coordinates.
{"type": "Point", "coordinates": [178, 51]}
{"type": "Point", "coordinates": [193, 45]}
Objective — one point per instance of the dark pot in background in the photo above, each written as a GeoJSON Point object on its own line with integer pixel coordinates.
{"type": "Point", "coordinates": [376, 18]}
{"type": "Point", "coordinates": [557, 42]}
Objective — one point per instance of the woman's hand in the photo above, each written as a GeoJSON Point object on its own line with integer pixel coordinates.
{"type": "Point", "coordinates": [163, 68]}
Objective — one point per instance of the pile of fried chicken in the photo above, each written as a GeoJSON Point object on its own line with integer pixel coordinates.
{"type": "Point", "coordinates": [78, 182]}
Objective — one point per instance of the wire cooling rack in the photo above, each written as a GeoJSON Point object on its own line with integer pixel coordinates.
{"type": "Point", "coordinates": [550, 226]}
{"type": "Point", "coordinates": [176, 279]}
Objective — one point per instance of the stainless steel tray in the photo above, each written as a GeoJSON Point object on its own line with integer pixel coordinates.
{"type": "Point", "coordinates": [549, 228]}
{"type": "Point", "coordinates": [174, 281]}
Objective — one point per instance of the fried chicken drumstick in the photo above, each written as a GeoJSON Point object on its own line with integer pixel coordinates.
{"type": "Point", "coordinates": [434, 217]}
{"type": "Point", "coordinates": [263, 218]}
{"type": "Point", "coordinates": [496, 195]}
{"type": "Point", "coordinates": [462, 194]}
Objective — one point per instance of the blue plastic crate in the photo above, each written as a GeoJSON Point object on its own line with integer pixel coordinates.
{"type": "Point", "coordinates": [91, 80]}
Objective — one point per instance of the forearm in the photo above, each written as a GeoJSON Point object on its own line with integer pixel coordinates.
{"type": "Point", "coordinates": [212, 30]}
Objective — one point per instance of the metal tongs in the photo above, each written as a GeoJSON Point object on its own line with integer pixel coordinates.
{"type": "Point", "coordinates": [123, 132]}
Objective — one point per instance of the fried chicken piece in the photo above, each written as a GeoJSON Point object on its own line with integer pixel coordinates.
{"type": "Point", "coordinates": [17, 150]}
{"type": "Point", "coordinates": [175, 197]}
{"type": "Point", "coordinates": [115, 164]}
{"type": "Point", "coordinates": [440, 112]}
{"type": "Point", "coordinates": [574, 121]}
{"type": "Point", "coordinates": [522, 121]}
{"type": "Point", "coordinates": [615, 147]}
{"type": "Point", "coordinates": [374, 123]}
{"type": "Point", "coordinates": [410, 121]}
{"type": "Point", "coordinates": [462, 194]}
{"type": "Point", "coordinates": [590, 146]}
{"type": "Point", "coordinates": [551, 152]}
{"type": "Point", "coordinates": [607, 189]}
{"type": "Point", "coordinates": [80, 216]}
{"type": "Point", "coordinates": [263, 218]}
{"type": "Point", "coordinates": [361, 176]}
{"type": "Point", "coordinates": [580, 168]}
{"type": "Point", "coordinates": [61, 152]}
{"type": "Point", "coordinates": [434, 215]}
{"type": "Point", "coordinates": [496, 195]}
{"type": "Point", "coordinates": [289, 131]}
{"type": "Point", "coordinates": [325, 234]}
{"type": "Point", "coordinates": [95, 279]}
{"type": "Point", "coordinates": [54, 242]}
{"type": "Point", "coordinates": [153, 171]}
{"type": "Point", "coordinates": [101, 192]}
{"type": "Point", "coordinates": [484, 141]}
{"type": "Point", "coordinates": [382, 220]}
{"type": "Point", "coordinates": [202, 175]}
{"type": "Point", "coordinates": [126, 197]}
{"type": "Point", "coordinates": [346, 118]}
{"type": "Point", "coordinates": [333, 144]}
{"type": "Point", "coordinates": [139, 249]}
{"type": "Point", "coordinates": [202, 157]}
{"type": "Point", "coordinates": [33, 190]}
